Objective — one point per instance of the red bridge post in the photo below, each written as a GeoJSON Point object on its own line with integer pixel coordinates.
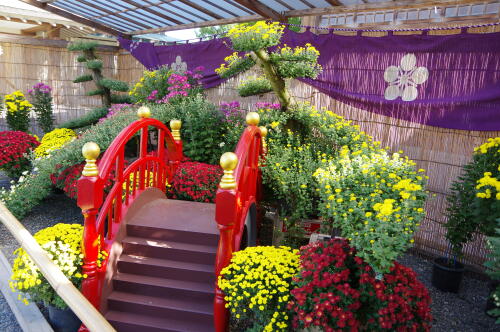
{"type": "Point", "coordinates": [90, 196]}
{"type": "Point", "coordinates": [225, 216]}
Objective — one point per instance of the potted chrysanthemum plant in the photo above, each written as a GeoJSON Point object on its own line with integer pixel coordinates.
{"type": "Point", "coordinates": [473, 209]}
{"type": "Point", "coordinates": [62, 242]}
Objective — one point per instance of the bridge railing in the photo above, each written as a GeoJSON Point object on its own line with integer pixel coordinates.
{"type": "Point", "coordinates": [238, 191]}
{"type": "Point", "coordinates": [103, 215]}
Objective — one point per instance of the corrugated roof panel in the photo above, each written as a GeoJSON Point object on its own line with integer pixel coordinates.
{"type": "Point", "coordinates": [159, 20]}
{"type": "Point", "coordinates": [278, 6]}
{"type": "Point", "coordinates": [213, 8]}
{"type": "Point", "coordinates": [296, 4]}
{"type": "Point", "coordinates": [174, 13]}
{"type": "Point", "coordinates": [200, 16]}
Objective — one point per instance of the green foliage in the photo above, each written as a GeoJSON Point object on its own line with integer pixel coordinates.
{"type": "Point", "coordinates": [83, 78]}
{"type": "Point", "coordinates": [493, 268]}
{"type": "Point", "coordinates": [96, 92]}
{"type": "Point", "coordinates": [254, 86]}
{"type": "Point", "coordinates": [88, 119]}
{"type": "Point", "coordinates": [253, 37]}
{"type": "Point", "coordinates": [296, 21]}
{"type": "Point", "coordinates": [327, 168]}
{"type": "Point", "coordinates": [214, 30]}
{"type": "Point", "coordinates": [82, 46]}
{"type": "Point", "coordinates": [42, 105]}
{"type": "Point", "coordinates": [37, 186]}
{"type": "Point", "coordinates": [297, 62]}
{"type": "Point", "coordinates": [257, 284]}
{"type": "Point", "coordinates": [94, 64]}
{"type": "Point", "coordinates": [235, 65]}
{"type": "Point", "coordinates": [468, 211]}
{"type": "Point", "coordinates": [149, 82]}
{"type": "Point", "coordinates": [114, 85]}
{"type": "Point", "coordinates": [81, 58]}
{"type": "Point", "coordinates": [202, 128]}
{"type": "Point", "coordinates": [121, 99]}
{"type": "Point", "coordinates": [18, 111]}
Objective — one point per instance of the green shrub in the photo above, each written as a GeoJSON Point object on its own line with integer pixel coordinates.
{"type": "Point", "coordinates": [493, 268]}
{"type": "Point", "coordinates": [37, 186]}
{"type": "Point", "coordinates": [94, 64]}
{"type": "Point", "coordinates": [114, 85]}
{"type": "Point", "coordinates": [254, 86]}
{"type": "Point", "coordinates": [42, 105]}
{"type": "Point", "coordinates": [83, 78]}
{"type": "Point", "coordinates": [18, 111]}
{"type": "Point", "coordinates": [470, 210]}
{"type": "Point", "coordinates": [88, 119]}
{"type": "Point", "coordinates": [82, 46]}
{"type": "Point", "coordinates": [202, 128]}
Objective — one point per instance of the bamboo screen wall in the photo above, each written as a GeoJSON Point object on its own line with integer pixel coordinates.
{"type": "Point", "coordinates": [440, 151]}
{"type": "Point", "coordinates": [23, 65]}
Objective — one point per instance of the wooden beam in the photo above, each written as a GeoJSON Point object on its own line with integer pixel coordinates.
{"type": "Point", "coordinates": [261, 9]}
{"type": "Point", "coordinates": [240, 19]}
{"type": "Point", "coordinates": [26, 40]}
{"type": "Point", "coordinates": [201, 9]}
{"type": "Point", "coordinates": [334, 2]}
{"type": "Point", "coordinates": [149, 10]}
{"type": "Point", "coordinates": [99, 8]}
{"type": "Point", "coordinates": [76, 18]}
{"type": "Point", "coordinates": [380, 6]}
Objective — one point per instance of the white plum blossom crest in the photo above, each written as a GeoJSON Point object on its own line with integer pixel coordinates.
{"type": "Point", "coordinates": [404, 79]}
{"type": "Point", "coordinates": [178, 66]}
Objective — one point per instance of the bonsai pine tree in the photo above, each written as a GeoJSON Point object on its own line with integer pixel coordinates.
{"type": "Point", "coordinates": [104, 86]}
{"type": "Point", "coordinates": [251, 43]}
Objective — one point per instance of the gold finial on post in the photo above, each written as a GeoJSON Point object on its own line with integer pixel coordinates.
{"type": "Point", "coordinates": [176, 129]}
{"type": "Point", "coordinates": [253, 119]}
{"type": "Point", "coordinates": [90, 152]}
{"type": "Point", "coordinates": [143, 112]}
{"type": "Point", "coordinates": [263, 133]}
{"type": "Point", "coordinates": [228, 162]}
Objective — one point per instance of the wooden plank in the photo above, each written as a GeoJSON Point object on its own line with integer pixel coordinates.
{"type": "Point", "coordinates": [149, 10]}
{"type": "Point", "coordinates": [240, 19]}
{"type": "Point", "coordinates": [25, 40]}
{"type": "Point", "coordinates": [334, 2]}
{"type": "Point", "coordinates": [76, 18]}
{"type": "Point", "coordinates": [378, 6]}
{"type": "Point", "coordinates": [261, 9]}
{"type": "Point", "coordinates": [103, 9]}
{"type": "Point", "coordinates": [201, 9]}
{"type": "Point", "coordinates": [89, 315]}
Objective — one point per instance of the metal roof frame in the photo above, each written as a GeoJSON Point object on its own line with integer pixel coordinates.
{"type": "Point", "coordinates": [134, 17]}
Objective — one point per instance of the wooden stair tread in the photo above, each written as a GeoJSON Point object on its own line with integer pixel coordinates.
{"type": "Point", "coordinates": [170, 244]}
{"type": "Point", "coordinates": [134, 322]}
{"type": "Point", "coordinates": [143, 260]}
{"type": "Point", "coordinates": [203, 307]}
{"type": "Point", "coordinates": [177, 215]}
{"type": "Point", "coordinates": [201, 287]}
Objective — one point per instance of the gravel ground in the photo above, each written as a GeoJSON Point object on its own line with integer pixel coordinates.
{"type": "Point", "coordinates": [462, 312]}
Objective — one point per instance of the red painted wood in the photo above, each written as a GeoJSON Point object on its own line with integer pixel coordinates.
{"type": "Point", "coordinates": [91, 191]}
{"type": "Point", "coordinates": [231, 209]}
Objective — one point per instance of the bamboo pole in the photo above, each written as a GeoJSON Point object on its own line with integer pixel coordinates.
{"type": "Point", "coordinates": [87, 313]}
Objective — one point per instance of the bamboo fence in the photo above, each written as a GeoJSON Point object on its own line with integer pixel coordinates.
{"type": "Point", "coordinates": [23, 65]}
{"type": "Point", "coordinates": [440, 151]}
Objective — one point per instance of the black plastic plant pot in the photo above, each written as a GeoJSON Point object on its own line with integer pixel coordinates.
{"type": "Point", "coordinates": [447, 274]}
{"type": "Point", "coordinates": [63, 320]}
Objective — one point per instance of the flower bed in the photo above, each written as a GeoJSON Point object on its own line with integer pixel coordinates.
{"type": "Point", "coordinates": [15, 148]}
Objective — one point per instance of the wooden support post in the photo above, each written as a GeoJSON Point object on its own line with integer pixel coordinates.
{"type": "Point", "coordinates": [225, 215]}
{"type": "Point", "coordinates": [90, 197]}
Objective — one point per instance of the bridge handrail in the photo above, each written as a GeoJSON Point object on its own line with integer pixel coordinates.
{"type": "Point", "coordinates": [148, 170]}
{"type": "Point", "coordinates": [238, 191]}
{"type": "Point", "coordinates": [87, 313]}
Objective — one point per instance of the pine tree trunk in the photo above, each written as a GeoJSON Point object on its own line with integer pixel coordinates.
{"type": "Point", "coordinates": [106, 96]}
{"type": "Point", "coordinates": [261, 57]}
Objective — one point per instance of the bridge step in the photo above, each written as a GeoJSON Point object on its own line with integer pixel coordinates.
{"type": "Point", "coordinates": [165, 274]}
{"type": "Point", "coordinates": [132, 322]}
